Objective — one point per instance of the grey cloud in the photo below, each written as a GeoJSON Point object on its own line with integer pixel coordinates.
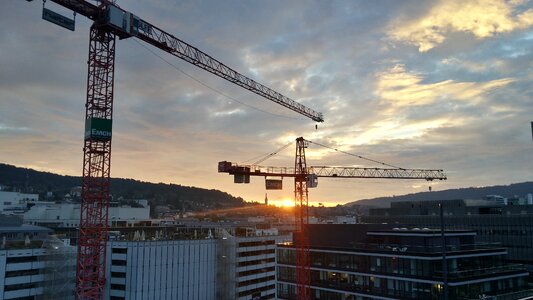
{"type": "Point", "coordinates": [170, 128]}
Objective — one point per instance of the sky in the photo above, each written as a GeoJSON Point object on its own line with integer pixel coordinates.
{"type": "Point", "coordinates": [416, 84]}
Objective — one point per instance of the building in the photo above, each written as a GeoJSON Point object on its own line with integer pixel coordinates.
{"type": "Point", "coordinates": [375, 261]}
{"type": "Point", "coordinates": [67, 215]}
{"type": "Point", "coordinates": [509, 225]}
{"type": "Point", "coordinates": [150, 260]}
{"type": "Point", "coordinates": [162, 269]}
{"type": "Point", "coordinates": [248, 259]}
{"type": "Point", "coordinates": [204, 262]}
{"type": "Point", "coordinates": [34, 265]}
{"type": "Point", "coordinates": [15, 202]}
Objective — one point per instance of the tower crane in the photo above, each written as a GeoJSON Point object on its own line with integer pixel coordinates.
{"type": "Point", "coordinates": [109, 22]}
{"type": "Point", "coordinates": [306, 177]}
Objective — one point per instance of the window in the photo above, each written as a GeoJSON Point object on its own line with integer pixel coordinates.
{"type": "Point", "coordinates": [22, 286]}
{"type": "Point", "coordinates": [116, 262]}
{"type": "Point", "coordinates": [21, 273]}
{"type": "Point", "coordinates": [120, 287]}
{"type": "Point", "coordinates": [120, 250]}
{"type": "Point", "coordinates": [118, 274]}
{"type": "Point", "coordinates": [22, 259]}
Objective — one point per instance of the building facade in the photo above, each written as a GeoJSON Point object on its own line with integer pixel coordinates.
{"type": "Point", "coordinates": [509, 225]}
{"type": "Point", "coordinates": [248, 263]}
{"type": "Point", "coordinates": [67, 215]}
{"type": "Point", "coordinates": [34, 265]}
{"type": "Point", "coordinates": [370, 262]}
{"type": "Point", "coordinates": [162, 269]}
{"type": "Point", "coordinates": [15, 202]}
{"type": "Point", "coordinates": [193, 263]}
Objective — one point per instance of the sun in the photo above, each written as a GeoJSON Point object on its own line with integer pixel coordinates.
{"type": "Point", "coordinates": [287, 203]}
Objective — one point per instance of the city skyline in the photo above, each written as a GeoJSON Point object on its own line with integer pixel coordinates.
{"type": "Point", "coordinates": [440, 85]}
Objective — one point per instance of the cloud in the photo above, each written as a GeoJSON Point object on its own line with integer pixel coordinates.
{"type": "Point", "coordinates": [390, 104]}
{"type": "Point", "coordinates": [481, 18]}
{"type": "Point", "coordinates": [411, 108]}
{"type": "Point", "coordinates": [402, 88]}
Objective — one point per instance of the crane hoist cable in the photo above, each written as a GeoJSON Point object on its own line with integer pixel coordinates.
{"type": "Point", "coordinates": [356, 155]}
{"type": "Point", "coordinates": [265, 157]}
{"type": "Point", "coordinates": [212, 88]}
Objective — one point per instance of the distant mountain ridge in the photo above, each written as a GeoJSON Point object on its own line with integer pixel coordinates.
{"type": "Point", "coordinates": [181, 197]}
{"type": "Point", "coordinates": [518, 189]}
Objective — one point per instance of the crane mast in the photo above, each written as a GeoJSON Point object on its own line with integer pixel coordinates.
{"type": "Point", "coordinates": [304, 178]}
{"type": "Point", "coordinates": [92, 242]}
{"type": "Point", "coordinates": [111, 21]}
{"type": "Point", "coordinates": [301, 238]}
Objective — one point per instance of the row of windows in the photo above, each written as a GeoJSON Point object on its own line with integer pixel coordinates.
{"type": "Point", "coordinates": [256, 262]}
{"type": "Point", "coordinates": [457, 267]}
{"type": "Point", "coordinates": [22, 273]}
{"type": "Point", "coordinates": [118, 274]}
{"type": "Point", "coordinates": [256, 271]}
{"type": "Point", "coordinates": [117, 262]}
{"type": "Point", "coordinates": [120, 287]}
{"type": "Point", "coordinates": [21, 259]}
{"type": "Point", "coordinates": [257, 252]}
{"type": "Point", "coordinates": [256, 281]}
{"type": "Point", "coordinates": [257, 290]}
{"type": "Point", "coordinates": [393, 287]}
{"type": "Point", "coordinates": [120, 250]}
{"type": "Point", "coordinates": [257, 243]}
{"type": "Point", "coordinates": [21, 286]}
{"type": "Point", "coordinates": [13, 235]}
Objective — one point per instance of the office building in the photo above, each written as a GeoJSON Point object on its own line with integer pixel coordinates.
{"type": "Point", "coordinates": [192, 263]}
{"type": "Point", "coordinates": [162, 269]}
{"type": "Point", "coordinates": [248, 260]}
{"type": "Point", "coordinates": [366, 261]}
{"type": "Point", "coordinates": [509, 225]}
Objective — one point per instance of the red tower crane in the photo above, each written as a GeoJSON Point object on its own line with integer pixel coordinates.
{"type": "Point", "coordinates": [306, 177]}
{"type": "Point", "coordinates": [110, 21]}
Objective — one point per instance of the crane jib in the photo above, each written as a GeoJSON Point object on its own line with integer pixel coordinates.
{"type": "Point", "coordinates": [125, 24]}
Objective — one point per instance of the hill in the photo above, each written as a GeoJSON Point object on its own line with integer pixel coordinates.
{"type": "Point", "coordinates": [520, 189]}
{"type": "Point", "coordinates": [178, 196]}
